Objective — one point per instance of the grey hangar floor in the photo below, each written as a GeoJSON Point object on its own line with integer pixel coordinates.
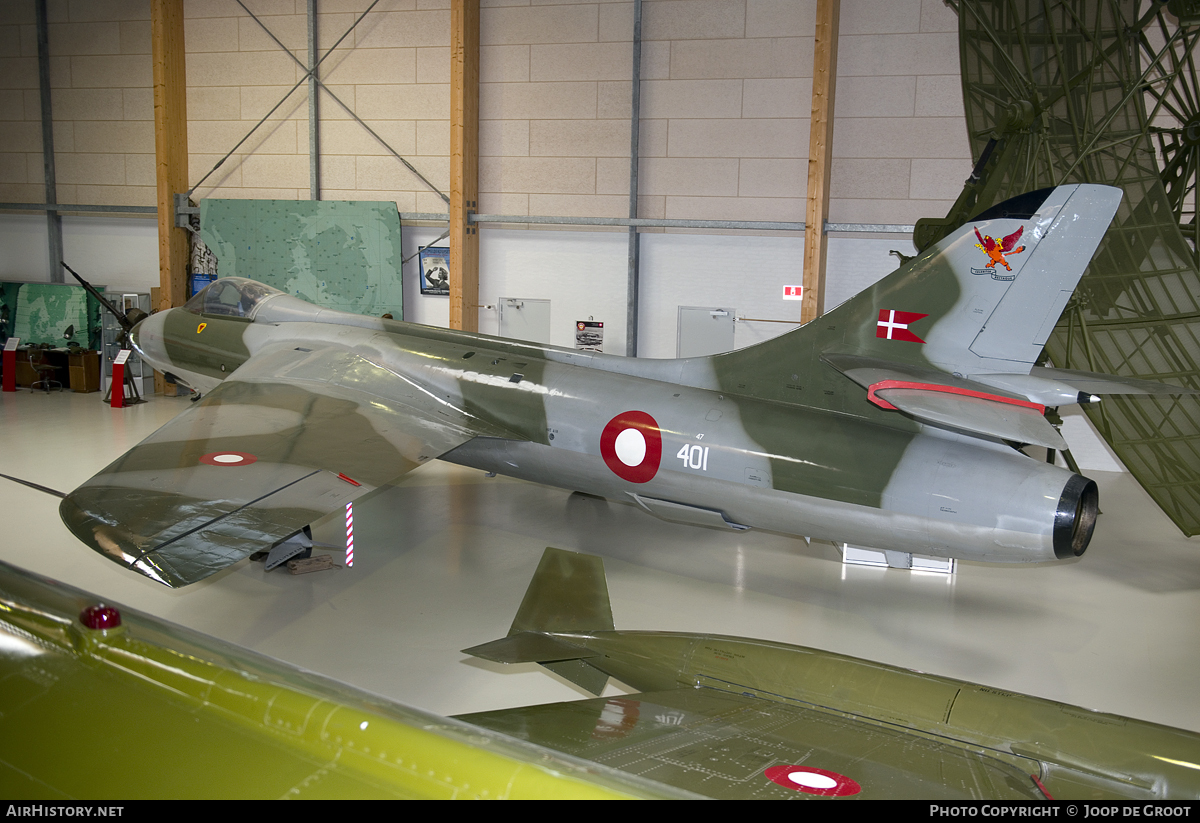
{"type": "Point", "coordinates": [443, 558]}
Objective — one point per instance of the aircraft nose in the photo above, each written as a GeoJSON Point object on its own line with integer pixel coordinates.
{"type": "Point", "coordinates": [147, 340]}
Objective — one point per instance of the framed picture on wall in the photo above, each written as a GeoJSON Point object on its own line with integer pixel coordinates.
{"type": "Point", "coordinates": [589, 335]}
{"type": "Point", "coordinates": [435, 270]}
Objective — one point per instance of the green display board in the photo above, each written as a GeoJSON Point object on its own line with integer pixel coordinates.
{"type": "Point", "coordinates": [42, 312]}
{"type": "Point", "coordinates": [342, 254]}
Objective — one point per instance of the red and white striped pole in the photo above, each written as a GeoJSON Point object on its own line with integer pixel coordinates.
{"type": "Point", "coordinates": [350, 534]}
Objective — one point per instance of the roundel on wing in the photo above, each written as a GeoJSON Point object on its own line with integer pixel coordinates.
{"type": "Point", "coordinates": [228, 458]}
{"type": "Point", "coordinates": [813, 781]}
{"type": "Point", "coordinates": [631, 445]}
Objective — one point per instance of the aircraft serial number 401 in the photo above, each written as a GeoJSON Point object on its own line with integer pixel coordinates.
{"type": "Point", "coordinates": [889, 422]}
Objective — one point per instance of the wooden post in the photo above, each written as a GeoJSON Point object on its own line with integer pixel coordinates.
{"type": "Point", "coordinates": [170, 152]}
{"type": "Point", "coordinates": [820, 155]}
{"type": "Point", "coordinates": [464, 164]}
{"type": "Point", "coordinates": [170, 146]}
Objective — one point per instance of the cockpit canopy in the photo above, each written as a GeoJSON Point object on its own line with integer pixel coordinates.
{"type": "Point", "coordinates": [230, 297]}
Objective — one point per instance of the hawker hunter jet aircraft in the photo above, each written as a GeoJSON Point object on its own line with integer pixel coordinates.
{"type": "Point", "coordinates": [890, 422]}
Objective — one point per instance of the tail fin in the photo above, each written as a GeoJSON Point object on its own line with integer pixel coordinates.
{"type": "Point", "coordinates": [569, 594]}
{"type": "Point", "coordinates": [982, 300]}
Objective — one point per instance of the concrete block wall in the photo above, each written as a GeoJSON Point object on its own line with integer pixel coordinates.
{"type": "Point", "coordinates": [724, 132]}
{"type": "Point", "coordinates": [899, 140]}
{"type": "Point", "coordinates": [21, 177]}
{"type": "Point", "coordinates": [725, 105]}
{"type": "Point", "coordinates": [100, 76]}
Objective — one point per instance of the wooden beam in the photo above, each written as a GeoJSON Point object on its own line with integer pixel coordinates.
{"type": "Point", "coordinates": [53, 219]}
{"type": "Point", "coordinates": [820, 155]}
{"type": "Point", "coordinates": [170, 147]}
{"type": "Point", "coordinates": [464, 164]}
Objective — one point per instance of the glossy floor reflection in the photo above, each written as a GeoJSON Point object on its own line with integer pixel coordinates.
{"type": "Point", "coordinates": [442, 561]}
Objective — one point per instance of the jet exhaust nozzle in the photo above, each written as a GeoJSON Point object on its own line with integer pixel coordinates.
{"type": "Point", "coordinates": [1075, 518]}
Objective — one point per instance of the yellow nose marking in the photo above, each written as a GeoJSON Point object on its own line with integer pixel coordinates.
{"type": "Point", "coordinates": [200, 328]}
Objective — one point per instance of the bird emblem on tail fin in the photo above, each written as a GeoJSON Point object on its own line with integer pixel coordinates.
{"type": "Point", "coordinates": [996, 251]}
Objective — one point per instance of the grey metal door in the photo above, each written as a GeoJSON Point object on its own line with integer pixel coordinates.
{"type": "Point", "coordinates": [704, 331]}
{"type": "Point", "coordinates": [525, 319]}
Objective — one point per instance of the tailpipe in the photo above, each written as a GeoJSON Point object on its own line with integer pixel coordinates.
{"type": "Point", "coordinates": [1075, 518]}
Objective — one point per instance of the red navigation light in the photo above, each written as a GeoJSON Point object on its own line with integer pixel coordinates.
{"type": "Point", "coordinates": [100, 617]}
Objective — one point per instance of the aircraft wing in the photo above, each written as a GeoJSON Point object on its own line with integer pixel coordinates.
{"type": "Point", "coordinates": [291, 436]}
{"type": "Point", "coordinates": [726, 745]}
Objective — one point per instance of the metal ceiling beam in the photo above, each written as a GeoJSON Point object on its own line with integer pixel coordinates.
{"type": "Point", "coordinates": [464, 164]}
{"type": "Point", "coordinates": [633, 288]}
{"type": "Point", "coordinates": [314, 125]}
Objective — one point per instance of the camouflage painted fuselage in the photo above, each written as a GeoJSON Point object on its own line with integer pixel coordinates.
{"type": "Point", "coordinates": [888, 423]}
{"type": "Point", "coordinates": [855, 473]}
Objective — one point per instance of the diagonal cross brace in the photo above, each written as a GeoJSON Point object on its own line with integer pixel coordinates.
{"type": "Point", "coordinates": [312, 73]}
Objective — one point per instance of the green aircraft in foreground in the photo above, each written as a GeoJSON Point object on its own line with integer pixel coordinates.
{"type": "Point", "coordinates": [101, 701]}
{"type": "Point", "coordinates": [889, 423]}
{"type": "Point", "coordinates": [732, 717]}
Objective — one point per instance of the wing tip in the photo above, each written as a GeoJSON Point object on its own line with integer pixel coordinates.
{"type": "Point", "coordinates": [120, 546]}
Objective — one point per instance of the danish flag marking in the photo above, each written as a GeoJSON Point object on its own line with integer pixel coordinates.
{"type": "Point", "coordinates": [893, 325]}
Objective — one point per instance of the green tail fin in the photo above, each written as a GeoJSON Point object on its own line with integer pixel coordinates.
{"type": "Point", "coordinates": [568, 593]}
{"type": "Point", "coordinates": [981, 301]}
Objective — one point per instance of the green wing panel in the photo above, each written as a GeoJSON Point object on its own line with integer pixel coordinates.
{"type": "Point", "coordinates": [153, 710]}
{"type": "Point", "coordinates": [722, 745]}
{"type": "Point", "coordinates": [291, 436]}
{"type": "Point", "coordinates": [530, 647]}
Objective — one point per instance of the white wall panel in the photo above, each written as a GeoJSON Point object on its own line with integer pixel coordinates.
{"type": "Point", "coordinates": [118, 252]}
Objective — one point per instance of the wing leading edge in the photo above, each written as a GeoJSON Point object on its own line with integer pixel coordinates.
{"type": "Point", "coordinates": [291, 436]}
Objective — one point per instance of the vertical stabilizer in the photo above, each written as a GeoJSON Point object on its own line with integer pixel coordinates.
{"type": "Point", "coordinates": [568, 593]}
{"type": "Point", "coordinates": [981, 301]}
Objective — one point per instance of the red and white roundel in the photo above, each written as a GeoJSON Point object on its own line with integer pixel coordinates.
{"type": "Point", "coordinates": [813, 781]}
{"type": "Point", "coordinates": [631, 445]}
{"type": "Point", "coordinates": [228, 459]}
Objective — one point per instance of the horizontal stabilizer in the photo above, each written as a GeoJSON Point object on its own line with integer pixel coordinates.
{"type": "Point", "coordinates": [1095, 383]}
{"type": "Point", "coordinates": [871, 372]}
{"type": "Point", "coordinates": [529, 647]}
{"type": "Point", "coordinates": [945, 400]}
{"type": "Point", "coordinates": [1021, 423]}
